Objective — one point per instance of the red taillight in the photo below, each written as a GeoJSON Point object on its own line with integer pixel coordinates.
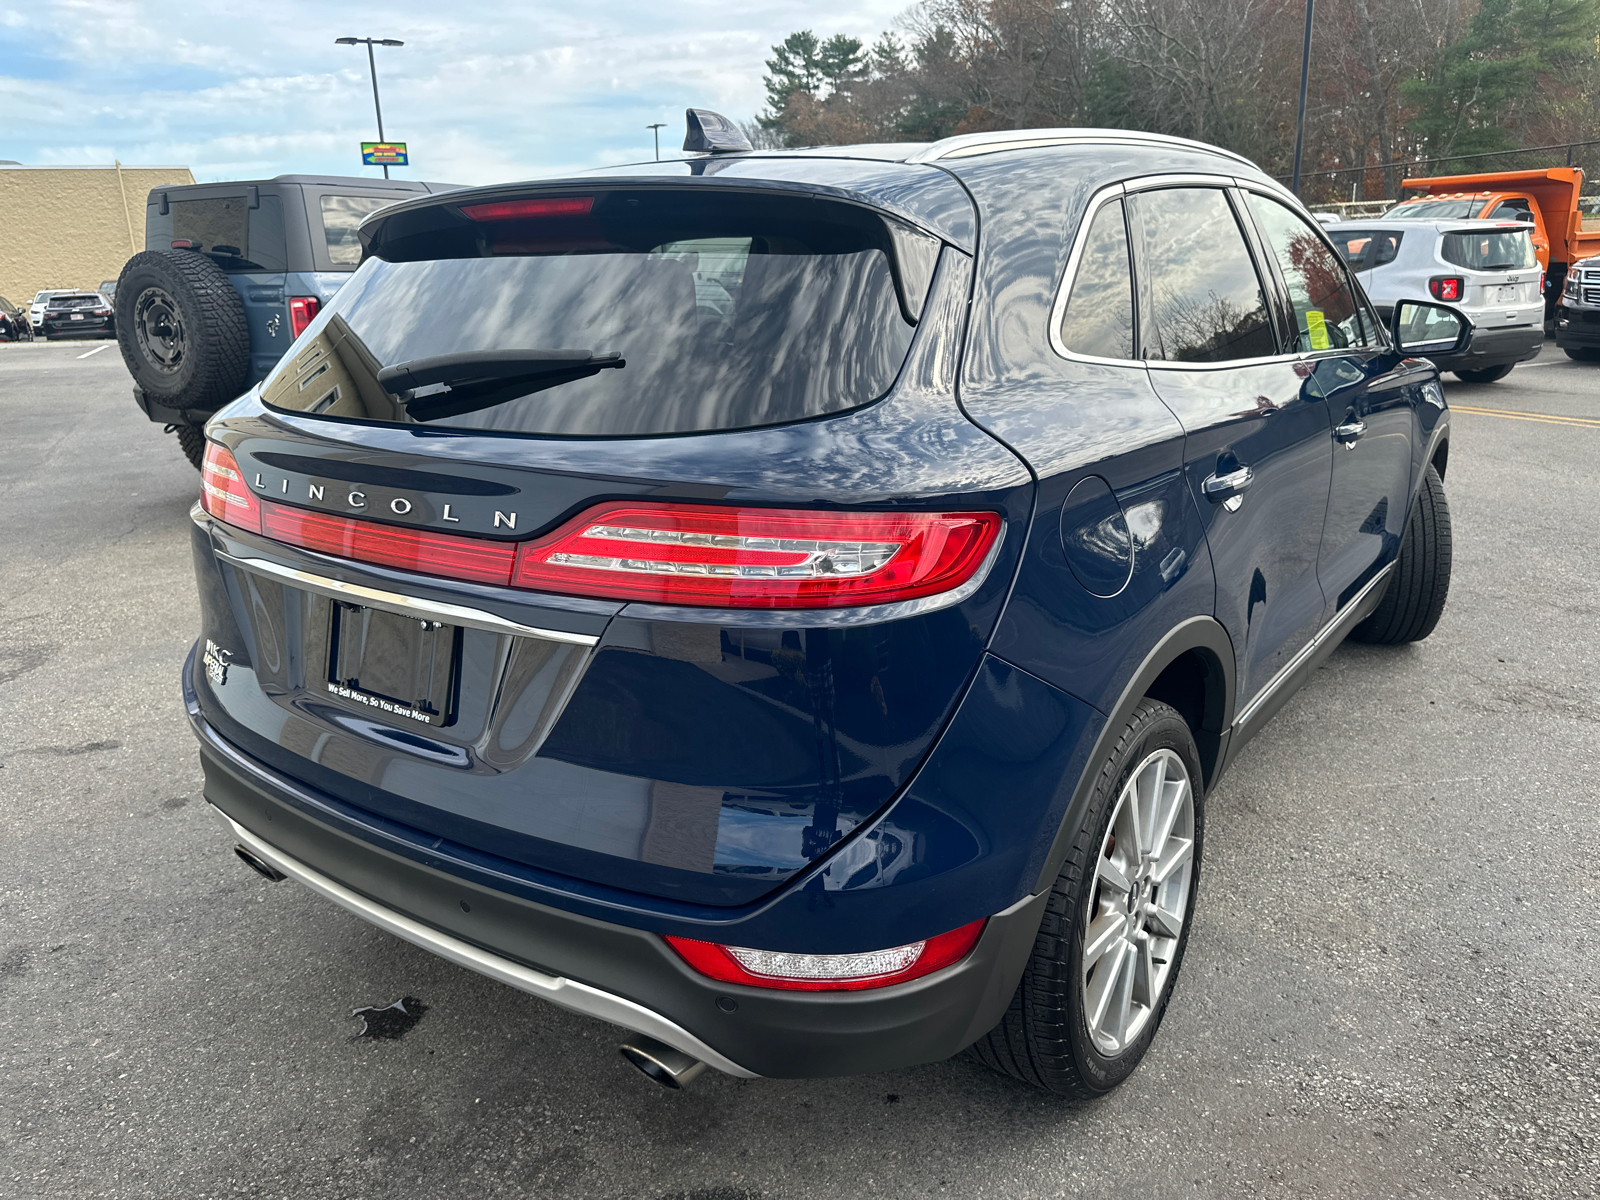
{"type": "Point", "coordinates": [477, 559]}
{"type": "Point", "coordinates": [515, 210]}
{"type": "Point", "coordinates": [827, 972]}
{"type": "Point", "coordinates": [756, 557]}
{"type": "Point", "coordinates": [1446, 287]}
{"type": "Point", "coordinates": [223, 493]}
{"type": "Point", "coordinates": [1541, 283]}
{"type": "Point", "coordinates": [302, 311]}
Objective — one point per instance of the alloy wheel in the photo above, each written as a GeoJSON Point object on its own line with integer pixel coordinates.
{"type": "Point", "coordinates": [1138, 902]}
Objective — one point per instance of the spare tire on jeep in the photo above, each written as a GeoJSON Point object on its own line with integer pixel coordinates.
{"type": "Point", "coordinates": [182, 331]}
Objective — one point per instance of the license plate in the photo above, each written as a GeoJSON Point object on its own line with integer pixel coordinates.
{"type": "Point", "coordinates": [1508, 294]}
{"type": "Point", "coordinates": [399, 666]}
{"type": "Point", "coordinates": [77, 316]}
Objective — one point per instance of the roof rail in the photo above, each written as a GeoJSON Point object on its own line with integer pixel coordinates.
{"type": "Point", "coordinates": [967, 145]}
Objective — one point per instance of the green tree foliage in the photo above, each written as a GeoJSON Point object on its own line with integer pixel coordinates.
{"type": "Point", "coordinates": [1389, 82]}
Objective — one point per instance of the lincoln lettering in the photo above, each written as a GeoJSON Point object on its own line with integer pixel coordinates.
{"type": "Point", "coordinates": [400, 506]}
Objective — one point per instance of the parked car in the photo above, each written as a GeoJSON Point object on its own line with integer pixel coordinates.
{"type": "Point", "coordinates": [1486, 269]}
{"type": "Point", "coordinates": [77, 314]}
{"type": "Point", "coordinates": [230, 275]}
{"type": "Point", "coordinates": [690, 657]}
{"type": "Point", "coordinates": [14, 323]}
{"type": "Point", "coordinates": [40, 299]}
{"type": "Point", "coordinates": [1549, 198]}
{"type": "Point", "coordinates": [1577, 325]}
{"type": "Point", "coordinates": [108, 289]}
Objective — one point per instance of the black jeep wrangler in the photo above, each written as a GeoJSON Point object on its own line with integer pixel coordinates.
{"type": "Point", "coordinates": [229, 276]}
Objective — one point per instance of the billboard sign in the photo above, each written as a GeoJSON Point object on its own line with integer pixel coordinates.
{"type": "Point", "coordinates": [384, 154]}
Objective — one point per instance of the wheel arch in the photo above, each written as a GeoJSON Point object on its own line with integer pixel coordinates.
{"type": "Point", "coordinates": [1192, 669]}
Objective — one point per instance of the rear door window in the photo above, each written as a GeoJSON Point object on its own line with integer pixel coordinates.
{"type": "Point", "coordinates": [1326, 314]}
{"type": "Point", "coordinates": [341, 217]}
{"type": "Point", "coordinates": [626, 314]}
{"type": "Point", "coordinates": [1099, 317]}
{"type": "Point", "coordinates": [1206, 301]}
{"type": "Point", "coordinates": [1490, 250]}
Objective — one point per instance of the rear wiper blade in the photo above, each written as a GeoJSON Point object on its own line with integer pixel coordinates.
{"type": "Point", "coordinates": [480, 379]}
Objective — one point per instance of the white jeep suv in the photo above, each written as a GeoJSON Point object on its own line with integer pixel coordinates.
{"type": "Point", "coordinates": [1487, 269]}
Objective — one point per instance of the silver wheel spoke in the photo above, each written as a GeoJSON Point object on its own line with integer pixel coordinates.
{"type": "Point", "coordinates": [1166, 922]}
{"type": "Point", "coordinates": [1175, 853]}
{"type": "Point", "coordinates": [1106, 932]}
{"type": "Point", "coordinates": [1122, 1001]}
{"type": "Point", "coordinates": [1167, 815]}
{"type": "Point", "coordinates": [1144, 982]}
{"type": "Point", "coordinates": [1101, 988]}
{"type": "Point", "coordinates": [1111, 875]}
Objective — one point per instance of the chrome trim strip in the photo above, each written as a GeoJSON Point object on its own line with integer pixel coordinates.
{"type": "Point", "coordinates": [1306, 651]}
{"type": "Point", "coordinates": [565, 993]}
{"type": "Point", "coordinates": [406, 606]}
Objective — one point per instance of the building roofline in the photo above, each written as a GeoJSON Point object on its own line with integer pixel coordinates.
{"type": "Point", "coordinates": [86, 167]}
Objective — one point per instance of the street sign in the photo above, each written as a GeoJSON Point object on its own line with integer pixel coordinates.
{"type": "Point", "coordinates": [384, 154]}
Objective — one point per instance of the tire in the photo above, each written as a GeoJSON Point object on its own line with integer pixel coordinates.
{"type": "Point", "coordinates": [1049, 1036]}
{"type": "Point", "coordinates": [1414, 600]}
{"type": "Point", "coordinates": [192, 441]}
{"type": "Point", "coordinates": [181, 329]}
{"type": "Point", "coordinates": [1583, 353]}
{"type": "Point", "coordinates": [1486, 375]}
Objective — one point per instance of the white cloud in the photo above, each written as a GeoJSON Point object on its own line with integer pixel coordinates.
{"type": "Point", "coordinates": [501, 92]}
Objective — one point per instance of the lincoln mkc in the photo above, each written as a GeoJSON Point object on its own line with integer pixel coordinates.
{"type": "Point", "coordinates": [794, 605]}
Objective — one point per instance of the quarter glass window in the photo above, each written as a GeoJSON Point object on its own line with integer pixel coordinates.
{"type": "Point", "coordinates": [1206, 300]}
{"type": "Point", "coordinates": [341, 217]}
{"type": "Point", "coordinates": [1099, 316]}
{"type": "Point", "coordinates": [1326, 314]}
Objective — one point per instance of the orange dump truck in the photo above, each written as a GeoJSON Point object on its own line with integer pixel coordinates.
{"type": "Point", "coordinates": [1549, 198]}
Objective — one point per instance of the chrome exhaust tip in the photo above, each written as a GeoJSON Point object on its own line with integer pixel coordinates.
{"type": "Point", "coordinates": [258, 864]}
{"type": "Point", "coordinates": [670, 1068]}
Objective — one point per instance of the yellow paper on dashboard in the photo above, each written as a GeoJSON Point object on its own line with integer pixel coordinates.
{"type": "Point", "coordinates": [1318, 329]}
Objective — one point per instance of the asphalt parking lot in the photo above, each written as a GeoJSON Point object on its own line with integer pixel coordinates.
{"type": "Point", "coordinates": [1391, 989]}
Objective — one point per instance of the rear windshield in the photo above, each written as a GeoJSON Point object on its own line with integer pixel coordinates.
{"type": "Point", "coordinates": [625, 314]}
{"type": "Point", "coordinates": [226, 229]}
{"type": "Point", "coordinates": [1442, 210]}
{"type": "Point", "coordinates": [1490, 251]}
{"type": "Point", "coordinates": [85, 301]}
{"type": "Point", "coordinates": [341, 216]}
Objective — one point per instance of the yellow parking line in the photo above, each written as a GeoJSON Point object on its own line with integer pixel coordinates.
{"type": "Point", "coordinates": [1546, 418]}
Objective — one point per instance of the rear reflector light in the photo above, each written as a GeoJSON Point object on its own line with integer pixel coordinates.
{"type": "Point", "coordinates": [756, 557]}
{"type": "Point", "coordinates": [516, 210]}
{"type": "Point", "coordinates": [1445, 287]}
{"type": "Point", "coordinates": [223, 493]}
{"type": "Point", "coordinates": [302, 311]}
{"type": "Point", "coordinates": [827, 972]}
{"type": "Point", "coordinates": [476, 559]}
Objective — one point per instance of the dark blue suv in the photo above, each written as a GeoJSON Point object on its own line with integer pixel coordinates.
{"type": "Point", "coordinates": [794, 605]}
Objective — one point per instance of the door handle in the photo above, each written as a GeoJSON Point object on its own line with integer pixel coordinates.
{"type": "Point", "coordinates": [1349, 432]}
{"type": "Point", "coordinates": [1221, 488]}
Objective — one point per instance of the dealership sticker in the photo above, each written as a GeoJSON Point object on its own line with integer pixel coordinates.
{"type": "Point", "coordinates": [1318, 329]}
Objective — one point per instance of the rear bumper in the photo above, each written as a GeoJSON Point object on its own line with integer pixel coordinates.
{"type": "Point", "coordinates": [1493, 348]}
{"type": "Point", "coordinates": [617, 973]}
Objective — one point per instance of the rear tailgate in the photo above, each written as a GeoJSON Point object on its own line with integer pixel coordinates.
{"type": "Point", "coordinates": [687, 748]}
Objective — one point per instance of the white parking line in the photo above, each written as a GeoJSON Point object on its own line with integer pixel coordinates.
{"type": "Point", "coordinates": [96, 350]}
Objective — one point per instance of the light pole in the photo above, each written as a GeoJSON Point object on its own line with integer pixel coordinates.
{"type": "Point", "coordinates": [656, 129]}
{"type": "Point", "coordinates": [1300, 121]}
{"type": "Point", "coordinates": [372, 62]}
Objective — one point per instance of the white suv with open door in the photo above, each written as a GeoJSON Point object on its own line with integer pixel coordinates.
{"type": "Point", "coordinates": [1487, 269]}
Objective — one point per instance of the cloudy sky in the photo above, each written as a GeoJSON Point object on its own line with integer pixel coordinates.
{"type": "Point", "coordinates": [481, 91]}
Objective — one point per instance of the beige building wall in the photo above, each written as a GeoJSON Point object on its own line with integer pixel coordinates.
{"type": "Point", "coordinates": [71, 227]}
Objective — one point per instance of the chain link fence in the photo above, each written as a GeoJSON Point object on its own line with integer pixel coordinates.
{"type": "Point", "coordinates": [1355, 185]}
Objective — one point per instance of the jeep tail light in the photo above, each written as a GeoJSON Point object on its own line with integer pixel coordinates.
{"type": "Point", "coordinates": [302, 311]}
{"type": "Point", "coordinates": [223, 492]}
{"type": "Point", "coordinates": [827, 972]}
{"type": "Point", "coordinates": [520, 210]}
{"type": "Point", "coordinates": [1446, 287]}
{"type": "Point", "coordinates": [756, 557]}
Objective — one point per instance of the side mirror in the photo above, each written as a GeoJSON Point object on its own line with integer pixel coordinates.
{"type": "Point", "coordinates": [1423, 327]}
